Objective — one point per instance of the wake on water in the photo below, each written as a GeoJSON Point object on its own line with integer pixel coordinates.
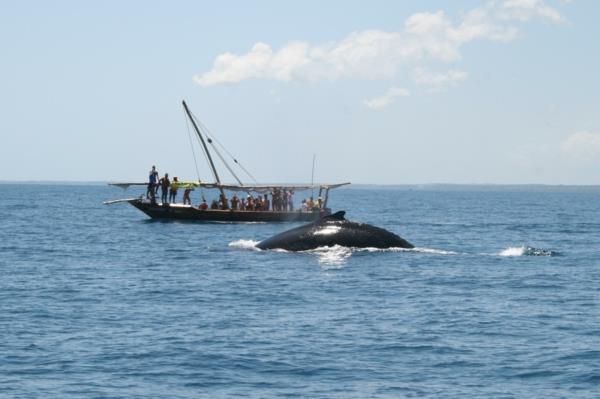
{"type": "Point", "coordinates": [337, 254]}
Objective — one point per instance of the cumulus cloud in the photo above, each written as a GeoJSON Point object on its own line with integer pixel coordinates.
{"type": "Point", "coordinates": [377, 54]}
{"type": "Point", "coordinates": [582, 146]}
{"type": "Point", "coordinates": [388, 98]}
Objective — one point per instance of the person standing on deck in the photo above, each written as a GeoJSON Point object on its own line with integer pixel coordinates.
{"type": "Point", "coordinates": [266, 203]}
{"type": "Point", "coordinates": [285, 200]}
{"type": "Point", "coordinates": [186, 196]}
{"type": "Point", "coordinates": [152, 182]}
{"type": "Point", "coordinates": [224, 203]}
{"type": "Point", "coordinates": [290, 200]}
{"type": "Point", "coordinates": [234, 202]}
{"type": "Point", "coordinates": [173, 190]}
{"type": "Point", "coordinates": [164, 183]}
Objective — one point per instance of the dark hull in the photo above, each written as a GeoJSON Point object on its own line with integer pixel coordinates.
{"type": "Point", "coordinates": [188, 212]}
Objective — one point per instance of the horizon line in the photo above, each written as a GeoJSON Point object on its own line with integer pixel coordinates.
{"type": "Point", "coordinates": [95, 182]}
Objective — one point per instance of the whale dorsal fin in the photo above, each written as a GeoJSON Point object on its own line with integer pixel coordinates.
{"type": "Point", "coordinates": [339, 215]}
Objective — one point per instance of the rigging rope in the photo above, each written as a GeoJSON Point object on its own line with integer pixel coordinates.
{"type": "Point", "coordinates": [208, 133]}
{"type": "Point", "coordinates": [223, 160]}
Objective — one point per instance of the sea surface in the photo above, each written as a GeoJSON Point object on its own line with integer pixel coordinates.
{"type": "Point", "coordinates": [500, 299]}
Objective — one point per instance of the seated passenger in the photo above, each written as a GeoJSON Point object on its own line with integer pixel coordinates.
{"type": "Point", "coordinates": [304, 206]}
{"type": "Point", "coordinates": [214, 204]}
{"type": "Point", "coordinates": [203, 205]}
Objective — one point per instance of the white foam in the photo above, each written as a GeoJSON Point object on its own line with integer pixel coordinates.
{"type": "Point", "coordinates": [513, 251]}
{"type": "Point", "coordinates": [245, 244]}
{"type": "Point", "coordinates": [526, 251]}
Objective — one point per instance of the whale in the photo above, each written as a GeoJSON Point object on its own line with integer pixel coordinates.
{"type": "Point", "coordinates": [333, 230]}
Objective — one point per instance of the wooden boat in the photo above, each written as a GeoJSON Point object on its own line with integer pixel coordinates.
{"type": "Point", "coordinates": [189, 212]}
{"type": "Point", "coordinates": [157, 210]}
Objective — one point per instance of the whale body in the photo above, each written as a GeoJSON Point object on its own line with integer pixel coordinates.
{"type": "Point", "coordinates": [334, 230]}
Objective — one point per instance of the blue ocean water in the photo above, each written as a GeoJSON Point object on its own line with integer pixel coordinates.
{"type": "Point", "coordinates": [499, 300]}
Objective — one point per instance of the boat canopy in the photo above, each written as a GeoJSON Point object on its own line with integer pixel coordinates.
{"type": "Point", "coordinates": [262, 188]}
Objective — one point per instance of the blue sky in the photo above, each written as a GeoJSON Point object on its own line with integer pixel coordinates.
{"type": "Point", "coordinates": [389, 92]}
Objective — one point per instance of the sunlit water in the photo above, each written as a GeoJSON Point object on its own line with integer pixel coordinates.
{"type": "Point", "coordinates": [500, 298]}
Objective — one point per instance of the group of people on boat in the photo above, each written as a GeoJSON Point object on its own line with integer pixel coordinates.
{"type": "Point", "coordinates": [281, 199]}
{"type": "Point", "coordinates": [168, 188]}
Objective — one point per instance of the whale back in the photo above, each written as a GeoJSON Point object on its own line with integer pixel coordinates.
{"type": "Point", "coordinates": [334, 230]}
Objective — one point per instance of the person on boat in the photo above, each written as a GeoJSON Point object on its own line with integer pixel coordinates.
{"type": "Point", "coordinates": [152, 182]}
{"type": "Point", "coordinates": [310, 204]}
{"type": "Point", "coordinates": [173, 190]}
{"type": "Point", "coordinates": [319, 202]}
{"type": "Point", "coordinates": [164, 184]}
{"type": "Point", "coordinates": [223, 201]}
{"type": "Point", "coordinates": [290, 200]}
{"type": "Point", "coordinates": [186, 196]}
{"type": "Point", "coordinates": [235, 201]}
{"type": "Point", "coordinates": [275, 199]}
{"type": "Point", "coordinates": [249, 203]}
{"type": "Point", "coordinates": [258, 206]}
{"type": "Point", "coordinates": [266, 204]}
{"type": "Point", "coordinates": [243, 204]}
{"type": "Point", "coordinates": [203, 205]}
{"type": "Point", "coordinates": [214, 204]}
{"type": "Point", "coordinates": [285, 201]}
{"type": "Point", "coordinates": [304, 206]}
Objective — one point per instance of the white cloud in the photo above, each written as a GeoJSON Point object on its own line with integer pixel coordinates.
{"type": "Point", "coordinates": [376, 54]}
{"type": "Point", "coordinates": [582, 146]}
{"type": "Point", "coordinates": [524, 10]}
{"type": "Point", "coordinates": [438, 81]}
{"type": "Point", "coordinates": [388, 98]}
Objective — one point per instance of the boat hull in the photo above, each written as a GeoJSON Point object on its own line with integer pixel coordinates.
{"type": "Point", "coordinates": [189, 212]}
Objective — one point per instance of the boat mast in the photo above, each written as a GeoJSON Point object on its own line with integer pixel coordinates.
{"type": "Point", "coordinates": [212, 165]}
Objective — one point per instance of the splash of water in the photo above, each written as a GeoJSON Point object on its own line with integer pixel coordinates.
{"type": "Point", "coordinates": [245, 244]}
{"type": "Point", "coordinates": [526, 251]}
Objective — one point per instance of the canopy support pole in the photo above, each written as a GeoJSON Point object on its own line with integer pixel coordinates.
{"type": "Point", "coordinates": [326, 198]}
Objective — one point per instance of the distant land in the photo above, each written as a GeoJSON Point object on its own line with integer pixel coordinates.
{"type": "Point", "coordinates": [567, 188]}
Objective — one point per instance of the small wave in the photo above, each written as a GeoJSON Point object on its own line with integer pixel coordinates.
{"type": "Point", "coordinates": [245, 244]}
{"type": "Point", "coordinates": [527, 251]}
{"type": "Point", "coordinates": [434, 251]}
